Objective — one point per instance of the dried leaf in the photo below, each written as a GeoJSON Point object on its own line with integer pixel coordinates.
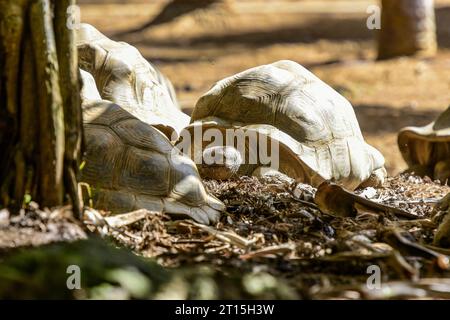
{"type": "Point", "coordinates": [335, 200]}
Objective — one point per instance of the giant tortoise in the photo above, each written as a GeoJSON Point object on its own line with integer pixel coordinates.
{"type": "Point", "coordinates": [124, 77]}
{"type": "Point", "coordinates": [131, 164]}
{"type": "Point", "coordinates": [316, 129]}
{"type": "Point", "coordinates": [426, 149]}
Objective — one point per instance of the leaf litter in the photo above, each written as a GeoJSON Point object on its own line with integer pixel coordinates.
{"type": "Point", "coordinates": [280, 227]}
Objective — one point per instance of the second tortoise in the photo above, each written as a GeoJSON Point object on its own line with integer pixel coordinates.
{"type": "Point", "coordinates": [315, 129]}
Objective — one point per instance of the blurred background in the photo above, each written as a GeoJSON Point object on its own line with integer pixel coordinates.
{"type": "Point", "coordinates": [198, 42]}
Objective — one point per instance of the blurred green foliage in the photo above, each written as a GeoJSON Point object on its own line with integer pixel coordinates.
{"type": "Point", "coordinates": [107, 272]}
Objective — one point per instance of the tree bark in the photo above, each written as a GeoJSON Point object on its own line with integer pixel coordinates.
{"type": "Point", "coordinates": [40, 110]}
{"type": "Point", "coordinates": [70, 90]}
{"type": "Point", "coordinates": [408, 27]}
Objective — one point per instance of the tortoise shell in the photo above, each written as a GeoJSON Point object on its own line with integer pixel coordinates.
{"type": "Point", "coordinates": [131, 164]}
{"type": "Point", "coordinates": [124, 77]}
{"type": "Point", "coordinates": [317, 128]}
{"type": "Point", "coordinates": [425, 148]}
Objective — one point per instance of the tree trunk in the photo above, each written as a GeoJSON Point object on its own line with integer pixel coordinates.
{"type": "Point", "coordinates": [40, 110]}
{"type": "Point", "coordinates": [408, 27]}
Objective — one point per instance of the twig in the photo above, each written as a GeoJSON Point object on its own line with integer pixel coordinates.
{"type": "Point", "coordinates": [125, 219]}
{"type": "Point", "coordinates": [284, 249]}
{"type": "Point", "coordinates": [181, 241]}
{"type": "Point", "coordinates": [114, 222]}
{"type": "Point", "coordinates": [225, 236]}
{"type": "Point", "coordinates": [217, 249]}
{"type": "Point", "coordinates": [395, 239]}
{"type": "Point", "coordinates": [421, 201]}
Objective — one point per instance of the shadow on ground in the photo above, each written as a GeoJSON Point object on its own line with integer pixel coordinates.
{"type": "Point", "coordinates": [384, 119]}
{"type": "Point", "coordinates": [325, 27]}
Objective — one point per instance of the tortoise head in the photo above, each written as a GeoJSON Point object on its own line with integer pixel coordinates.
{"type": "Point", "coordinates": [220, 162]}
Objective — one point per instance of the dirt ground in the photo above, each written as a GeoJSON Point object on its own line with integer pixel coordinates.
{"type": "Point", "coordinates": [328, 37]}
